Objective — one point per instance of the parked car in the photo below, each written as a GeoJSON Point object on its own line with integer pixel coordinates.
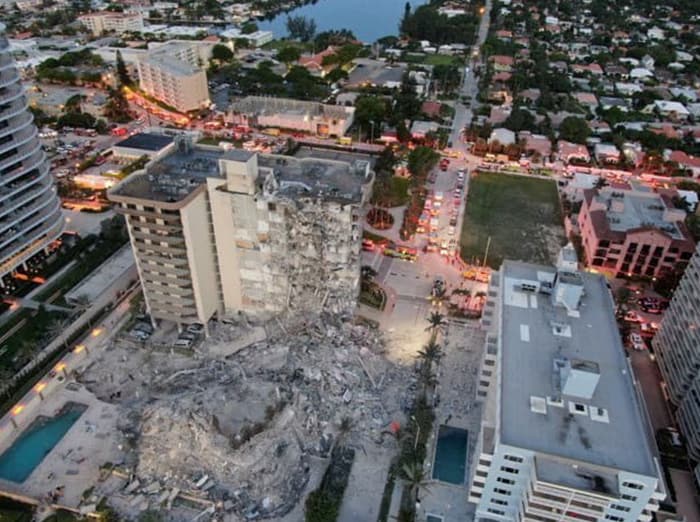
{"type": "Point", "coordinates": [636, 341]}
{"type": "Point", "coordinates": [183, 343]}
{"type": "Point", "coordinates": [196, 328]}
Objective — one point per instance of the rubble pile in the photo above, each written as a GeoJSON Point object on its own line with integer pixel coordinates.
{"type": "Point", "coordinates": [239, 431]}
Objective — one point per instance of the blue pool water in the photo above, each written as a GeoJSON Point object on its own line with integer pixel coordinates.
{"type": "Point", "coordinates": [30, 448]}
{"type": "Point", "coordinates": [451, 455]}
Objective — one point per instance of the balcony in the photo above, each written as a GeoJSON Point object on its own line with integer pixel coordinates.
{"type": "Point", "coordinates": [19, 138]}
{"type": "Point", "coordinates": [39, 187]}
{"type": "Point", "coordinates": [12, 189]}
{"type": "Point", "coordinates": [29, 244]}
{"type": "Point", "coordinates": [29, 208]}
{"type": "Point", "coordinates": [23, 152]}
{"type": "Point", "coordinates": [16, 123]}
{"type": "Point", "coordinates": [17, 233]}
{"type": "Point", "coordinates": [8, 76]}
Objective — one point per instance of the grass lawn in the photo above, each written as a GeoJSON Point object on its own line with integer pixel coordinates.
{"type": "Point", "coordinates": [433, 59]}
{"type": "Point", "coordinates": [520, 214]}
{"type": "Point", "coordinates": [392, 194]}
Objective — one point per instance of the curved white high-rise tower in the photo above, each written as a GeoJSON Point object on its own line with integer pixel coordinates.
{"type": "Point", "coordinates": [30, 210]}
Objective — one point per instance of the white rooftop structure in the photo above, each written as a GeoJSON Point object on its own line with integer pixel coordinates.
{"type": "Point", "coordinates": [563, 429]}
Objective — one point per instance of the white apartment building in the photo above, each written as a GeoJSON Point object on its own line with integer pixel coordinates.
{"type": "Point", "coordinates": [677, 345]}
{"type": "Point", "coordinates": [107, 21]}
{"type": "Point", "coordinates": [30, 210]}
{"type": "Point", "coordinates": [219, 232]}
{"type": "Point", "coordinates": [174, 74]}
{"type": "Point", "coordinates": [313, 117]}
{"type": "Point", "coordinates": [563, 436]}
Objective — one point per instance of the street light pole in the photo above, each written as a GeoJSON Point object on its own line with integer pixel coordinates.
{"type": "Point", "coordinates": [415, 443]}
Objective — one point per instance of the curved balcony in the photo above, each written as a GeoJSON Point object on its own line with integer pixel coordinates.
{"type": "Point", "coordinates": [16, 123]}
{"type": "Point", "coordinates": [29, 155]}
{"type": "Point", "coordinates": [19, 138]}
{"type": "Point", "coordinates": [31, 207]}
{"type": "Point", "coordinates": [10, 190]}
{"type": "Point", "coordinates": [13, 92]}
{"type": "Point", "coordinates": [28, 221]}
{"type": "Point", "coordinates": [8, 76]}
{"type": "Point", "coordinates": [19, 106]}
{"type": "Point", "coordinates": [28, 192]}
{"type": "Point", "coordinates": [52, 226]}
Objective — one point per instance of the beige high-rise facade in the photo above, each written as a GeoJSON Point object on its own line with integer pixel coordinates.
{"type": "Point", "coordinates": [107, 21]}
{"type": "Point", "coordinates": [219, 232]}
{"type": "Point", "coordinates": [174, 74]}
{"type": "Point", "coordinates": [677, 345]}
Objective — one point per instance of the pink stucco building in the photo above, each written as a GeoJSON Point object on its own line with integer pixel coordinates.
{"type": "Point", "coordinates": [634, 231]}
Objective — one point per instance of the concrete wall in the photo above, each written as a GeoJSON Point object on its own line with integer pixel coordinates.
{"type": "Point", "coordinates": [200, 254]}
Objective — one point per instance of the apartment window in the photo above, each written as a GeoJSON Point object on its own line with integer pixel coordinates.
{"type": "Point", "coordinates": [503, 480]}
{"type": "Point", "coordinates": [510, 470]}
{"type": "Point", "coordinates": [603, 243]}
{"type": "Point", "coordinates": [658, 251]}
{"type": "Point", "coordinates": [499, 502]}
{"type": "Point", "coordinates": [631, 498]}
{"type": "Point", "coordinates": [513, 458]}
{"type": "Point", "coordinates": [502, 492]}
{"type": "Point", "coordinates": [618, 507]}
{"type": "Point", "coordinates": [489, 362]}
{"type": "Point", "coordinates": [645, 249]}
{"type": "Point", "coordinates": [496, 511]}
{"type": "Point", "coordinates": [272, 207]}
{"type": "Point", "coordinates": [632, 485]}
{"type": "Point", "coordinates": [614, 518]}
{"type": "Point", "coordinates": [632, 247]}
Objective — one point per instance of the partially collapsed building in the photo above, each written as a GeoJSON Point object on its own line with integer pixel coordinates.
{"type": "Point", "coordinates": [218, 232]}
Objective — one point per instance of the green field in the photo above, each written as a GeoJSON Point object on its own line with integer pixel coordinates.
{"type": "Point", "coordinates": [521, 215]}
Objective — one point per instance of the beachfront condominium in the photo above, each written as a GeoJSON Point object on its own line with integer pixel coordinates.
{"type": "Point", "coordinates": [30, 210]}
{"type": "Point", "coordinates": [112, 22]}
{"type": "Point", "coordinates": [677, 345]}
{"type": "Point", "coordinates": [218, 232]}
{"type": "Point", "coordinates": [173, 73]}
{"type": "Point", "coordinates": [563, 434]}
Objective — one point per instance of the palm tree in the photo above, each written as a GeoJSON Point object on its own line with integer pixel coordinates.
{"type": "Point", "coordinates": [427, 378]}
{"type": "Point", "coordinates": [430, 353]}
{"type": "Point", "coordinates": [57, 327]}
{"type": "Point", "coordinates": [416, 478]}
{"type": "Point", "coordinates": [344, 429]}
{"type": "Point", "coordinates": [83, 304]}
{"type": "Point", "coordinates": [437, 323]}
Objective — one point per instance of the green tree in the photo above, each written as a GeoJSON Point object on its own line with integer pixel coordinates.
{"type": "Point", "coordinates": [288, 54]}
{"type": "Point", "coordinates": [574, 129]}
{"type": "Point", "coordinates": [122, 72]}
{"type": "Point", "coordinates": [249, 28]}
{"type": "Point", "coordinates": [301, 28]}
{"type": "Point", "coordinates": [117, 107]}
{"type": "Point", "coordinates": [520, 119]}
{"type": "Point", "coordinates": [221, 53]}
{"type": "Point", "coordinates": [370, 110]}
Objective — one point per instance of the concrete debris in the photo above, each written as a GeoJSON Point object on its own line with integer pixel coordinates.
{"type": "Point", "coordinates": [237, 434]}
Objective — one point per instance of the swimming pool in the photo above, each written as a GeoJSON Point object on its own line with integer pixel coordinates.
{"type": "Point", "coordinates": [450, 463]}
{"type": "Point", "coordinates": [37, 441]}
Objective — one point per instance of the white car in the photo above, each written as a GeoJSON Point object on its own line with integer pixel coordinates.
{"type": "Point", "coordinates": [637, 341]}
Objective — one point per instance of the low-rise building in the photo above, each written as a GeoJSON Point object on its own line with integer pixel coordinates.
{"type": "Point", "coordinates": [633, 231]}
{"type": "Point", "coordinates": [108, 21]}
{"type": "Point", "coordinates": [152, 146]}
{"type": "Point", "coordinates": [173, 73]}
{"type": "Point", "coordinates": [304, 116]}
{"type": "Point", "coordinates": [558, 392]}
{"type": "Point", "coordinates": [217, 232]}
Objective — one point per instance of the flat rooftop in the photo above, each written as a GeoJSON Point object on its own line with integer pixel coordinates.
{"type": "Point", "coordinates": [635, 209]}
{"type": "Point", "coordinates": [146, 141]}
{"type": "Point", "coordinates": [607, 429]}
{"type": "Point", "coordinates": [183, 170]}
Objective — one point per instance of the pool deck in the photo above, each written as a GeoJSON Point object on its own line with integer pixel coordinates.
{"type": "Point", "coordinates": [458, 377]}
{"type": "Point", "coordinates": [75, 461]}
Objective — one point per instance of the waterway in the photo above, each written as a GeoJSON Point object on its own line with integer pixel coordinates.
{"type": "Point", "coordinates": [369, 20]}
